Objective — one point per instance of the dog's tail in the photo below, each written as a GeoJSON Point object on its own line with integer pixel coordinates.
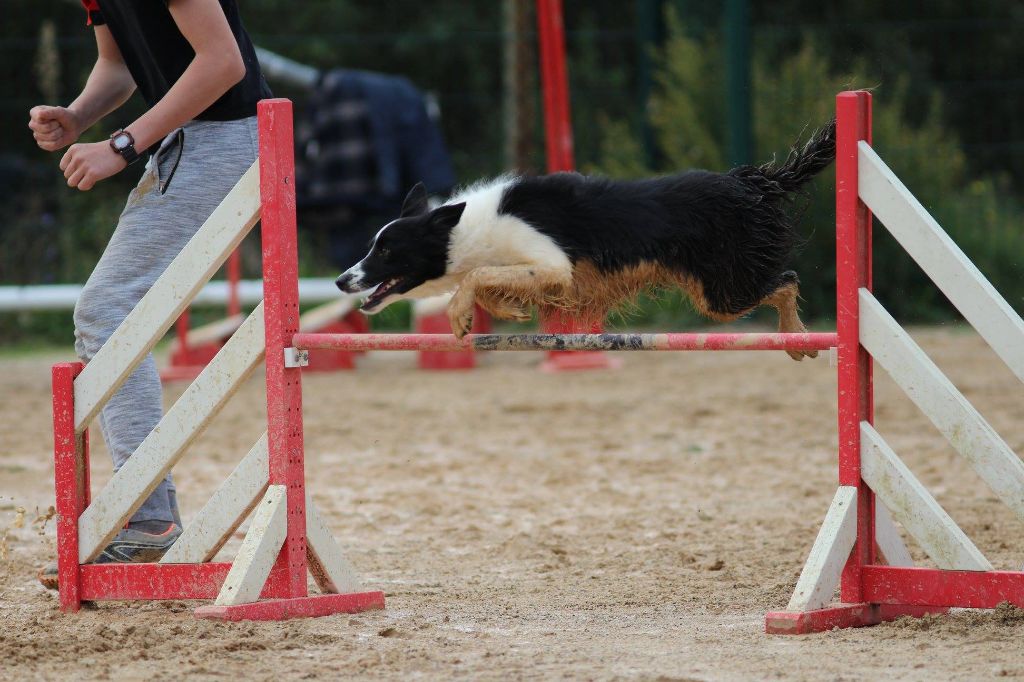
{"type": "Point", "coordinates": [802, 164]}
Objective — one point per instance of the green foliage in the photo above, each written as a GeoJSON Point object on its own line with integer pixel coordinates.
{"type": "Point", "coordinates": [792, 97]}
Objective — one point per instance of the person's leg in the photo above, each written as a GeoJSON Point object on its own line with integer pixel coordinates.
{"type": "Point", "coordinates": [152, 230]}
{"type": "Point", "coordinates": [135, 256]}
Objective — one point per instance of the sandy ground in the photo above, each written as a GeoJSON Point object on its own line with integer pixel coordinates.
{"type": "Point", "coordinates": [633, 524]}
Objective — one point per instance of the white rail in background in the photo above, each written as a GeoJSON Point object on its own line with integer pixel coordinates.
{"type": "Point", "coordinates": [250, 292]}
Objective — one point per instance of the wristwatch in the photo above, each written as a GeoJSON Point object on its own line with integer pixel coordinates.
{"type": "Point", "coordinates": [122, 142]}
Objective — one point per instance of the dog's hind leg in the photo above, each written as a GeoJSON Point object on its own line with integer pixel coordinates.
{"type": "Point", "coordinates": [784, 300]}
{"type": "Point", "coordinates": [522, 282]}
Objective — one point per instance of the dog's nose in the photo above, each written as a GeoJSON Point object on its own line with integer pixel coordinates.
{"type": "Point", "coordinates": [343, 281]}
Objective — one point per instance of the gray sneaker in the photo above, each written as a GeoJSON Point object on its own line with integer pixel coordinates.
{"type": "Point", "coordinates": [129, 546]}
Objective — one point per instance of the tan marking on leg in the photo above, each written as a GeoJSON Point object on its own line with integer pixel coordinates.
{"type": "Point", "coordinates": [784, 300]}
{"type": "Point", "coordinates": [525, 283]}
{"type": "Point", "coordinates": [503, 307]}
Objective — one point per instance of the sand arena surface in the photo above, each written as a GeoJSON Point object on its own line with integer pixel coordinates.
{"type": "Point", "coordinates": [612, 525]}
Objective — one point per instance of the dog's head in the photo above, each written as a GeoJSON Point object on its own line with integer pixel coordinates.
{"type": "Point", "coordinates": [406, 253]}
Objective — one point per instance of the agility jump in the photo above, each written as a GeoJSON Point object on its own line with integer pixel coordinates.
{"type": "Point", "coordinates": [858, 548]}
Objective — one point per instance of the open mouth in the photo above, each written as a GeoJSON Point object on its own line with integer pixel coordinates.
{"type": "Point", "coordinates": [383, 290]}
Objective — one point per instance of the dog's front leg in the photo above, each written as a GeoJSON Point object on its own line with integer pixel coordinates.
{"type": "Point", "coordinates": [526, 282]}
{"type": "Point", "coordinates": [460, 308]}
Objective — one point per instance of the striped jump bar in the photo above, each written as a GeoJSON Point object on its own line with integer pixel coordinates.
{"type": "Point", "coordinates": [569, 342]}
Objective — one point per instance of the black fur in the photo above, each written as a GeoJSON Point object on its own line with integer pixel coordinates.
{"type": "Point", "coordinates": [729, 230]}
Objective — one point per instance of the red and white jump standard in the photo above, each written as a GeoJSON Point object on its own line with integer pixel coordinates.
{"type": "Point", "coordinates": [858, 548]}
{"type": "Point", "coordinates": [287, 537]}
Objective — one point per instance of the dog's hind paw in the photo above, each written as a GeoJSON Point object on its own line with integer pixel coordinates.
{"type": "Point", "coordinates": [799, 355]}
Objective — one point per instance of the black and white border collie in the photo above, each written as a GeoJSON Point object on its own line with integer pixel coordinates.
{"type": "Point", "coordinates": [585, 245]}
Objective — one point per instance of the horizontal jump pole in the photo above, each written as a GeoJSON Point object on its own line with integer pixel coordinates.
{"type": "Point", "coordinates": [570, 342]}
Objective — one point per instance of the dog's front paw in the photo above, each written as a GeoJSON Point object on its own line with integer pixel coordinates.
{"type": "Point", "coordinates": [460, 317]}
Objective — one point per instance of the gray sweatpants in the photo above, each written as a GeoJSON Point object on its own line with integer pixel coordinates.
{"type": "Point", "coordinates": [184, 181]}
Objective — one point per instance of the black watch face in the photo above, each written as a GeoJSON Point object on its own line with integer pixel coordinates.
{"type": "Point", "coordinates": [121, 142]}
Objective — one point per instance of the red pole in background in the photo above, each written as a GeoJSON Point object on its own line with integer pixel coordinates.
{"type": "Point", "coordinates": [558, 145]}
{"type": "Point", "coordinates": [853, 271]}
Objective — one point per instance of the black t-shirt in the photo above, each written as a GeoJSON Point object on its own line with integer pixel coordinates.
{"type": "Point", "coordinates": [157, 53]}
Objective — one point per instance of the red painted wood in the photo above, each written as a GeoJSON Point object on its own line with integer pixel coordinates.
{"type": "Point", "coordinates": [281, 314]}
{"type": "Point", "coordinates": [842, 616]}
{"type": "Point", "coordinates": [234, 274]}
{"type": "Point", "coordinates": [932, 587]}
{"type": "Point", "coordinates": [165, 581]}
{"type": "Point", "coordinates": [554, 81]}
{"type": "Point", "coordinates": [651, 342]}
{"type": "Point", "coordinates": [853, 271]}
{"type": "Point", "coordinates": [71, 481]}
{"type": "Point", "coordinates": [303, 607]}
{"type": "Point", "coordinates": [181, 327]}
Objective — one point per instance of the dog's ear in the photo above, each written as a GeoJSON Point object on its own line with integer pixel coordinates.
{"type": "Point", "coordinates": [415, 201]}
{"type": "Point", "coordinates": [447, 216]}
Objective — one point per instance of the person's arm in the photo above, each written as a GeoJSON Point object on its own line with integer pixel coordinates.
{"type": "Point", "coordinates": [216, 67]}
{"type": "Point", "coordinates": [109, 86]}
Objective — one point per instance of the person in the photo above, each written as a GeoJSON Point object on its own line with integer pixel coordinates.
{"type": "Point", "coordinates": [194, 65]}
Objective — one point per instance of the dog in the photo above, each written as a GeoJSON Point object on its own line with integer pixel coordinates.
{"type": "Point", "coordinates": [587, 245]}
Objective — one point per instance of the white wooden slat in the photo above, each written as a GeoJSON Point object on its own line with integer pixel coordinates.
{"type": "Point", "coordinates": [213, 332]}
{"type": "Point", "coordinates": [941, 259]}
{"type": "Point", "coordinates": [914, 507]}
{"type": "Point", "coordinates": [316, 319]}
{"type": "Point", "coordinates": [947, 408]}
{"type": "Point", "coordinates": [331, 570]}
{"type": "Point", "coordinates": [164, 302]}
{"type": "Point", "coordinates": [888, 539]}
{"type": "Point", "coordinates": [225, 511]}
{"type": "Point", "coordinates": [820, 575]}
{"type": "Point", "coordinates": [166, 444]}
{"type": "Point", "coordinates": [259, 550]}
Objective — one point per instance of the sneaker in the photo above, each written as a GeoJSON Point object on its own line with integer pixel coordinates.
{"type": "Point", "coordinates": [129, 546]}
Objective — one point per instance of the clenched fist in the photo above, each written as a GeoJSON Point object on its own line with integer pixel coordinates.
{"type": "Point", "coordinates": [54, 127]}
{"type": "Point", "coordinates": [86, 164]}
